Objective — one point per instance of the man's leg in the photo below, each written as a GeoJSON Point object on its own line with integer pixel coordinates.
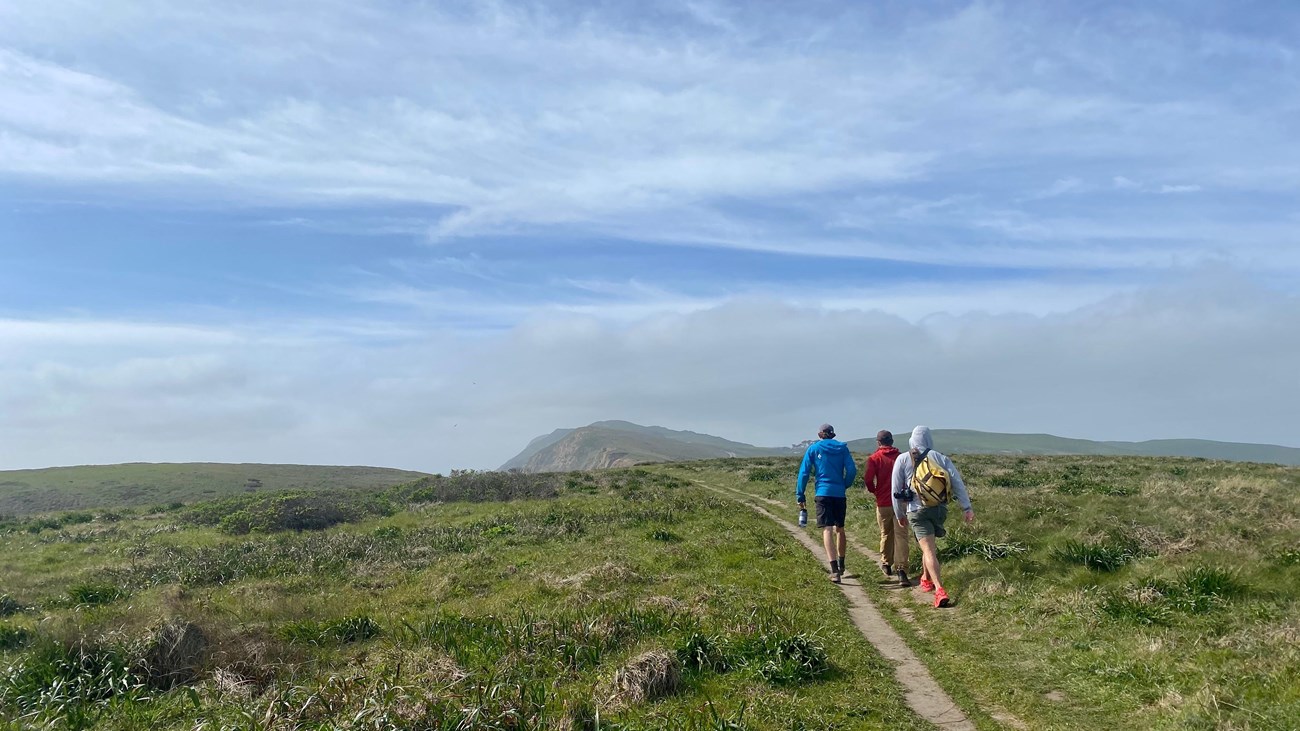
{"type": "Point", "coordinates": [843, 547]}
{"type": "Point", "coordinates": [902, 544]}
{"type": "Point", "coordinates": [929, 560]}
{"type": "Point", "coordinates": [829, 542]}
{"type": "Point", "coordinates": [888, 529]}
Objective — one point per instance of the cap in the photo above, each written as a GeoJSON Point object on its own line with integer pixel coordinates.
{"type": "Point", "coordinates": [826, 429]}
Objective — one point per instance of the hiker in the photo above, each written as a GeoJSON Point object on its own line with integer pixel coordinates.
{"type": "Point", "coordinates": [831, 465]}
{"type": "Point", "coordinates": [923, 483]}
{"type": "Point", "coordinates": [877, 475]}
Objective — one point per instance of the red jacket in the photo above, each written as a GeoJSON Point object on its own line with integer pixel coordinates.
{"type": "Point", "coordinates": [878, 474]}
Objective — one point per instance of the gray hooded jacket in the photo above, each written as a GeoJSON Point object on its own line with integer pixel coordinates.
{"type": "Point", "coordinates": [903, 470]}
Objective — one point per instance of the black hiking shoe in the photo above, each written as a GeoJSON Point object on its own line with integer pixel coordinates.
{"type": "Point", "coordinates": [884, 567]}
{"type": "Point", "coordinates": [902, 578]}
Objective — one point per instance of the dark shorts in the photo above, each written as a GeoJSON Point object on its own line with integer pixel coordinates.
{"type": "Point", "coordinates": [929, 521]}
{"type": "Point", "coordinates": [830, 511]}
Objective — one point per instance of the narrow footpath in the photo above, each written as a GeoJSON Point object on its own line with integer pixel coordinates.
{"type": "Point", "coordinates": [923, 694]}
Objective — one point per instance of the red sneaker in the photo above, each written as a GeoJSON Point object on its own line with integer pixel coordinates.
{"type": "Point", "coordinates": [941, 599]}
{"type": "Point", "coordinates": [927, 586]}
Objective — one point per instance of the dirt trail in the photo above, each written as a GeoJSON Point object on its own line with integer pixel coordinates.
{"type": "Point", "coordinates": [923, 694]}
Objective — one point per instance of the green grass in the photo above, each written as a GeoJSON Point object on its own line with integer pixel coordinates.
{"type": "Point", "coordinates": [1109, 592]}
{"type": "Point", "coordinates": [1125, 593]}
{"type": "Point", "coordinates": [414, 619]}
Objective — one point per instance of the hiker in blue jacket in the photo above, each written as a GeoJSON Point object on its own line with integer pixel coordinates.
{"type": "Point", "coordinates": [831, 465]}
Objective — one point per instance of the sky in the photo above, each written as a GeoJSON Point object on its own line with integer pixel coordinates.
{"type": "Point", "coordinates": [418, 235]}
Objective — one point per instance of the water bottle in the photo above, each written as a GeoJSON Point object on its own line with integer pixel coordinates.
{"type": "Point", "coordinates": [803, 517]}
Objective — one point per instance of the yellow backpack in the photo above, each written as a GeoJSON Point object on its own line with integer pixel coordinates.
{"type": "Point", "coordinates": [931, 482]}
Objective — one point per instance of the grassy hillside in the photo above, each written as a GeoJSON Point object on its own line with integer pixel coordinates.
{"type": "Point", "coordinates": [23, 492]}
{"type": "Point", "coordinates": [1093, 592]}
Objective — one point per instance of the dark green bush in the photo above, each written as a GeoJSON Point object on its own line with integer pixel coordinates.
{"type": "Point", "coordinates": [10, 606]}
{"type": "Point", "coordinates": [12, 637]}
{"type": "Point", "coordinates": [296, 511]}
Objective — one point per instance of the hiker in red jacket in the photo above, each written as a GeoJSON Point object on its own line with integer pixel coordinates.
{"type": "Point", "coordinates": [877, 473]}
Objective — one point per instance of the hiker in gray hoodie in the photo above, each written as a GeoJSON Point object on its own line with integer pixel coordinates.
{"type": "Point", "coordinates": [924, 481]}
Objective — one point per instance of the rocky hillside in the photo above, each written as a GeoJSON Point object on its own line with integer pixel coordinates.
{"type": "Point", "coordinates": [622, 444]}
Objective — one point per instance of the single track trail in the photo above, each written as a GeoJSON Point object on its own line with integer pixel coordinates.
{"type": "Point", "coordinates": [923, 694]}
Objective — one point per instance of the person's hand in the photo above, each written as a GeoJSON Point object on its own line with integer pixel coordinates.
{"type": "Point", "coordinates": [802, 505]}
{"type": "Point", "coordinates": [969, 515]}
{"type": "Point", "coordinates": [902, 522]}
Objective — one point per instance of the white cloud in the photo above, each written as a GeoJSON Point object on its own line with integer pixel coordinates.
{"type": "Point", "coordinates": [752, 369]}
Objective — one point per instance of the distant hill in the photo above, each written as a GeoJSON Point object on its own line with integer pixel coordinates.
{"type": "Point", "coordinates": [967, 441]}
{"type": "Point", "coordinates": [23, 492]}
{"type": "Point", "coordinates": [620, 444]}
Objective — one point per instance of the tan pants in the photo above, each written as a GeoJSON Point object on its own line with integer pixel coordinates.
{"type": "Point", "coordinates": [895, 540]}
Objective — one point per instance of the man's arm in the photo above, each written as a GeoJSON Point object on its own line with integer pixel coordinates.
{"type": "Point", "coordinates": [896, 483]}
{"type": "Point", "coordinates": [869, 474]}
{"type": "Point", "coordinates": [804, 468]}
{"type": "Point", "coordinates": [958, 487]}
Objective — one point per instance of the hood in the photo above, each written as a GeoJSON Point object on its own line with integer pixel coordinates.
{"type": "Point", "coordinates": [921, 439]}
{"type": "Point", "coordinates": [890, 449]}
{"type": "Point", "coordinates": [831, 446]}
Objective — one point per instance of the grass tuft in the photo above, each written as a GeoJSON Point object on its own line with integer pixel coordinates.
{"type": "Point", "coordinates": [1098, 556]}
{"type": "Point", "coordinates": [95, 594]}
{"type": "Point", "coordinates": [963, 544]}
{"type": "Point", "coordinates": [354, 628]}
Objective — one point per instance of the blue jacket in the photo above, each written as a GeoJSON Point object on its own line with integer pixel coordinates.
{"type": "Point", "coordinates": [832, 463]}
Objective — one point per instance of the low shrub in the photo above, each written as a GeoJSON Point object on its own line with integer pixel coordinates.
{"type": "Point", "coordinates": [10, 606]}
{"type": "Point", "coordinates": [12, 637]}
{"type": "Point", "coordinates": [296, 511]}
{"type": "Point", "coordinates": [764, 474]}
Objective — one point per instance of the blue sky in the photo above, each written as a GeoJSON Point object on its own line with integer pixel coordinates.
{"type": "Point", "coordinates": [419, 235]}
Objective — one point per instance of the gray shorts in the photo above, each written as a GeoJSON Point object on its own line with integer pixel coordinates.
{"type": "Point", "coordinates": [929, 521]}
